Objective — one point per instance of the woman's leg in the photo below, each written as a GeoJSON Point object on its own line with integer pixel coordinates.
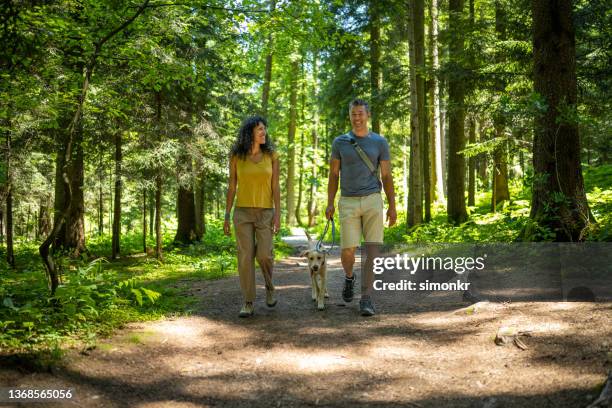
{"type": "Point", "coordinates": [265, 244]}
{"type": "Point", "coordinates": [244, 225]}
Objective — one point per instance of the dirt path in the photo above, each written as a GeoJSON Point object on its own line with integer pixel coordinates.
{"type": "Point", "coordinates": [430, 353]}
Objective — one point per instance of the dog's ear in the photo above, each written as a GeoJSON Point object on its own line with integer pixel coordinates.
{"type": "Point", "coordinates": [305, 253]}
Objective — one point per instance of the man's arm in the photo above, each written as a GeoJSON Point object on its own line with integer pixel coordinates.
{"type": "Point", "coordinates": [332, 186]}
{"type": "Point", "coordinates": [387, 181]}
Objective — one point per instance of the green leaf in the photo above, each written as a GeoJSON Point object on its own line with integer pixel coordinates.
{"type": "Point", "coordinates": [151, 294]}
{"type": "Point", "coordinates": [138, 294]}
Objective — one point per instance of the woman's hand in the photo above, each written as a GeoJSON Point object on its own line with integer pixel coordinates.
{"type": "Point", "coordinates": [276, 227]}
{"type": "Point", "coordinates": [226, 227]}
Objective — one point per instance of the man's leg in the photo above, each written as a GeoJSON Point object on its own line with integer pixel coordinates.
{"type": "Point", "coordinates": [373, 231]}
{"type": "Point", "coordinates": [347, 257]}
{"type": "Point", "coordinates": [350, 225]}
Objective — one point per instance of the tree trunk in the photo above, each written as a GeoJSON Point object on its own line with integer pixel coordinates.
{"type": "Point", "coordinates": [312, 190]}
{"type": "Point", "coordinates": [418, 19]}
{"type": "Point", "coordinates": [199, 206]}
{"type": "Point", "coordinates": [291, 142]}
{"type": "Point", "coordinates": [375, 73]}
{"type": "Point", "coordinates": [158, 184]}
{"type": "Point", "coordinates": [100, 197]}
{"type": "Point", "coordinates": [437, 175]}
{"type": "Point", "coordinates": [456, 209]}
{"type": "Point", "coordinates": [151, 213]}
{"type": "Point", "coordinates": [144, 220]}
{"type": "Point", "coordinates": [472, 166]}
{"type": "Point", "coordinates": [443, 138]}
{"type": "Point", "coordinates": [558, 198]}
{"type": "Point", "coordinates": [500, 159]}
{"type": "Point", "coordinates": [298, 207]}
{"type": "Point", "coordinates": [265, 94]}
{"type": "Point", "coordinates": [500, 176]}
{"type": "Point", "coordinates": [10, 254]}
{"type": "Point", "coordinates": [415, 183]}
{"type": "Point", "coordinates": [186, 230]}
{"type": "Point", "coordinates": [71, 235]}
{"type": "Point", "coordinates": [44, 221]}
{"type": "Point", "coordinates": [116, 247]}
{"type": "Point", "coordinates": [158, 232]}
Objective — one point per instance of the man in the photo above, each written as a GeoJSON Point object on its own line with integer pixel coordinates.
{"type": "Point", "coordinates": [360, 204]}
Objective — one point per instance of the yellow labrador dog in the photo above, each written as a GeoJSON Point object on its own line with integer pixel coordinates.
{"type": "Point", "coordinates": [317, 267]}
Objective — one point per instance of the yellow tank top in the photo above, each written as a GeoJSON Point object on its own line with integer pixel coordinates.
{"type": "Point", "coordinates": [255, 182]}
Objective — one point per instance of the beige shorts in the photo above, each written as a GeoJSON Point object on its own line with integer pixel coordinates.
{"type": "Point", "coordinates": [361, 215]}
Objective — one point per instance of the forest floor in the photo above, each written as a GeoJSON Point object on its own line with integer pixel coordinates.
{"type": "Point", "coordinates": [435, 352]}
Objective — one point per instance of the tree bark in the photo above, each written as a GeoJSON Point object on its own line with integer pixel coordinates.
{"type": "Point", "coordinates": [298, 207]}
{"type": "Point", "coordinates": [71, 236]}
{"type": "Point", "coordinates": [265, 94]}
{"type": "Point", "coordinates": [375, 72]}
{"type": "Point", "coordinates": [199, 206]}
{"type": "Point", "coordinates": [558, 198]}
{"type": "Point", "coordinates": [144, 220]}
{"type": "Point", "coordinates": [456, 209]}
{"type": "Point", "coordinates": [100, 197]}
{"type": "Point", "coordinates": [10, 253]}
{"type": "Point", "coordinates": [291, 142]}
{"type": "Point", "coordinates": [314, 136]}
{"type": "Point", "coordinates": [158, 183]}
{"type": "Point", "coordinates": [472, 166]}
{"type": "Point", "coordinates": [500, 155]}
{"type": "Point", "coordinates": [151, 213]}
{"type": "Point", "coordinates": [44, 221]}
{"type": "Point", "coordinates": [158, 232]}
{"type": "Point", "coordinates": [116, 239]}
{"type": "Point", "coordinates": [418, 18]}
{"type": "Point", "coordinates": [437, 175]}
{"type": "Point", "coordinates": [186, 229]}
{"type": "Point", "coordinates": [415, 190]}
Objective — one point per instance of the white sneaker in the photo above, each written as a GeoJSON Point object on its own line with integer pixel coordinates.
{"type": "Point", "coordinates": [270, 298]}
{"type": "Point", "coordinates": [247, 310]}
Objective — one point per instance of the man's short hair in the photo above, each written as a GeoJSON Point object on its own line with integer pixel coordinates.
{"type": "Point", "coordinates": [359, 102]}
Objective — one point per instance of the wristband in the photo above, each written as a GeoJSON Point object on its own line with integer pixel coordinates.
{"type": "Point", "coordinates": [227, 216]}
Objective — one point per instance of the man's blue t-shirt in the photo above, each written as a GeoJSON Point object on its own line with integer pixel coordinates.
{"type": "Point", "coordinates": [356, 179]}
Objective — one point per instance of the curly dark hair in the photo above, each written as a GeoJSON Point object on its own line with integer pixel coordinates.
{"type": "Point", "coordinates": [243, 143]}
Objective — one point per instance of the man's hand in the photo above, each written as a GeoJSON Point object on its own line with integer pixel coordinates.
{"type": "Point", "coordinates": [329, 211]}
{"type": "Point", "coordinates": [226, 227]}
{"type": "Point", "coordinates": [276, 227]}
{"type": "Point", "coordinates": [391, 216]}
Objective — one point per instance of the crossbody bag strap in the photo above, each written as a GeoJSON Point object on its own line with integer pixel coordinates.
{"type": "Point", "coordinates": [362, 154]}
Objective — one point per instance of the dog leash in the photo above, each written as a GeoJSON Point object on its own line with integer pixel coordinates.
{"type": "Point", "coordinates": [320, 241]}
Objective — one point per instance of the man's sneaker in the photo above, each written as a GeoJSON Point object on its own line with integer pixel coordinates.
{"type": "Point", "coordinates": [270, 298]}
{"type": "Point", "coordinates": [247, 310]}
{"type": "Point", "coordinates": [347, 291]}
{"type": "Point", "coordinates": [366, 307]}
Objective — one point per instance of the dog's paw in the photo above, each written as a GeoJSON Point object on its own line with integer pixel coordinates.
{"type": "Point", "coordinates": [326, 295]}
{"type": "Point", "coordinates": [321, 306]}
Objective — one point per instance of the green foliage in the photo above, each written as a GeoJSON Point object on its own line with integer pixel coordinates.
{"type": "Point", "coordinates": [83, 305]}
{"type": "Point", "coordinates": [507, 224]}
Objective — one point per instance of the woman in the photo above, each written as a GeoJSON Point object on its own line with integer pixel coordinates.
{"type": "Point", "coordinates": [254, 175]}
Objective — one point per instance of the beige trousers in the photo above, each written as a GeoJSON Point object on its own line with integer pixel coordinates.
{"type": "Point", "coordinates": [254, 240]}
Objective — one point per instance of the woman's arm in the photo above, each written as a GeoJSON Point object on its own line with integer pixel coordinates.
{"type": "Point", "coordinates": [276, 193]}
{"type": "Point", "coordinates": [231, 194]}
